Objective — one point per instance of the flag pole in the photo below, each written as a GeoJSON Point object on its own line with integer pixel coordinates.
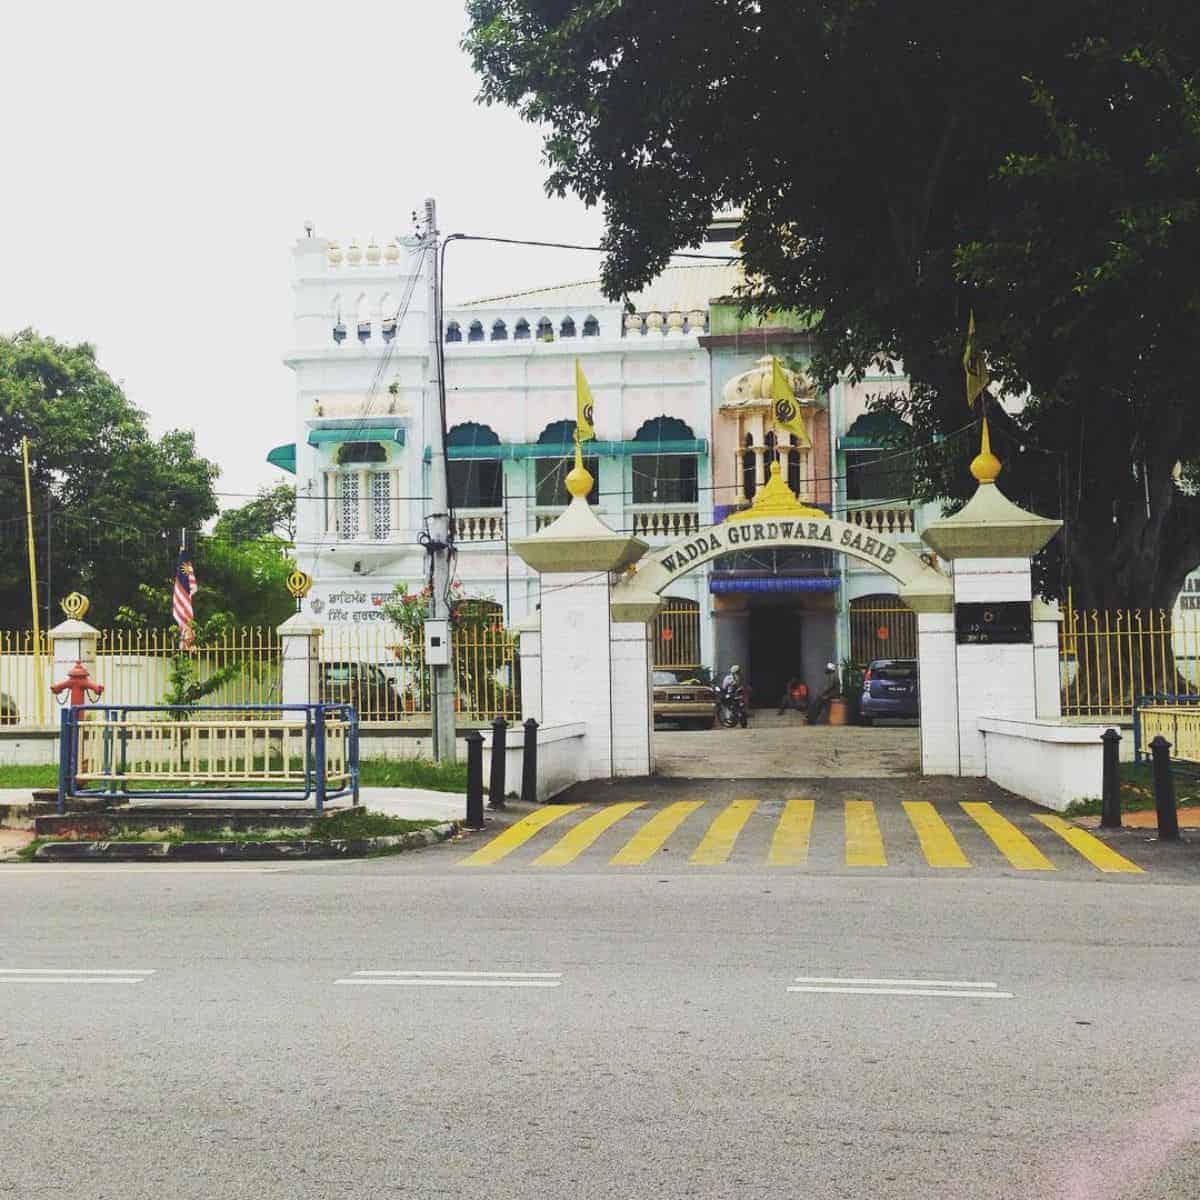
{"type": "Point", "coordinates": [40, 701]}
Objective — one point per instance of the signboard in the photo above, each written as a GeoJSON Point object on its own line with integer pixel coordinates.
{"type": "Point", "coordinates": [349, 605]}
{"type": "Point", "coordinates": [1007, 622]}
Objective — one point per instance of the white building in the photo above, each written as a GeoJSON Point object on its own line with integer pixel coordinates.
{"type": "Point", "coordinates": [363, 411]}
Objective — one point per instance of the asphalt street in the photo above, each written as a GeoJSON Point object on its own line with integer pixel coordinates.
{"type": "Point", "coordinates": [413, 1026]}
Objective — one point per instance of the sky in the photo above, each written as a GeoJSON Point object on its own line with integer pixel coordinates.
{"type": "Point", "coordinates": [161, 159]}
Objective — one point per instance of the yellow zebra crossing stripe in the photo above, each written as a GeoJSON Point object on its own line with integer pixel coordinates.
{"type": "Point", "coordinates": [572, 844]}
{"type": "Point", "coordinates": [789, 846]}
{"type": "Point", "coordinates": [517, 835]}
{"type": "Point", "coordinates": [937, 842]}
{"type": "Point", "coordinates": [1007, 838]}
{"type": "Point", "coordinates": [1092, 848]}
{"type": "Point", "coordinates": [864, 842]}
{"type": "Point", "coordinates": [717, 843]}
{"type": "Point", "coordinates": [650, 838]}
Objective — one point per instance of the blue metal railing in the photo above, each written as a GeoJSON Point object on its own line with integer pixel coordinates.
{"type": "Point", "coordinates": [108, 729]}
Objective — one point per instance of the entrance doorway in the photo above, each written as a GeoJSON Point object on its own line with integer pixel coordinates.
{"type": "Point", "coordinates": [775, 653]}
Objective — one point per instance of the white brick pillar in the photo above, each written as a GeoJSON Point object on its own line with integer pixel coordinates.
{"type": "Point", "coordinates": [72, 642]}
{"type": "Point", "coordinates": [632, 693]}
{"type": "Point", "coordinates": [584, 677]}
{"type": "Point", "coordinates": [530, 653]}
{"type": "Point", "coordinates": [939, 694]}
{"type": "Point", "coordinates": [300, 668]}
{"type": "Point", "coordinates": [1047, 678]}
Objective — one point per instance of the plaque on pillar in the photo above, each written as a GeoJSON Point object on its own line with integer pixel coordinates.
{"type": "Point", "coordinates": [1007, 622]}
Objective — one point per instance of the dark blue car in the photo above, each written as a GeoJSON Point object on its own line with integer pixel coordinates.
{"type": "Point", "coordinates": [890, 690]}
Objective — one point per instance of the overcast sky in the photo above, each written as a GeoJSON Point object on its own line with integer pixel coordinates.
{"type": "Point", "coordinates": [160, 160]}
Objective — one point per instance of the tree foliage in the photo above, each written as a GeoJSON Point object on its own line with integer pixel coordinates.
{"type": "Point", "coordinates": [897, 165]}
{"type": "Point", "coordinates": [112, 493]}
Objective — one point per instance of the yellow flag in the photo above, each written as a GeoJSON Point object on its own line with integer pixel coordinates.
{"type": "Point", "coordinates": [973, 365]}
{"type": "Point", "coordinates": [786, 410]}
{"type": "Point", "coordinates": [585, 429]}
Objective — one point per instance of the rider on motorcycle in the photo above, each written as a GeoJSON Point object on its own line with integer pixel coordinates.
{"type": "Point", "coordinates": [735, 688]}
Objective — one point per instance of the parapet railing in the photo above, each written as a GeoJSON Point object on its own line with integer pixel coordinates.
{"type": "Point", "coordinates": [292, 752]}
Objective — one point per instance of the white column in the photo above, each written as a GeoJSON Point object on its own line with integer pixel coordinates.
{"type": "Point", "coordinates": [631, 698]}
{"type": "Point", "coordinates": [72, 642]}
{"type": "Point", "coordinates": [1047, 680]}
{"type": "Point", "coordinates": [939, 693]}
{"type": "Point", "coordinates": [998, 679]}
{"type": "Point", "coordinates": [300, 668]}
{"type": "Point", "coordinates": [578, 688]}
{"type": "Point", "coordinates": [531, 668]}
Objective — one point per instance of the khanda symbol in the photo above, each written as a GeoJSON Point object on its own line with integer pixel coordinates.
{"type": "Point", "coordinates": [786, 411]}
{"type": "Point", "coordinates": [587, 414]}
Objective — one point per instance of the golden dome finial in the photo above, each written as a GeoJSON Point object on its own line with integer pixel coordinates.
{"type": "Point", "coordinates": [579, 480]}
{"type": "Point", "coordinates": [985, 466]}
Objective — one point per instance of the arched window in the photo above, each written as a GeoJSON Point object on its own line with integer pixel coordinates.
{"type": "Point", "coordinates": [364, 318]}
{"type": "Point", "coordinates": [361, 452]}
{"type": "Point", "coordinates": [339, 326]}
{"type": "Point", "coordinates": [499, 331]}
{"type": "Point", "coordinates": [454, 332]}
{"type": "Point", "coordinates": [877, 468]}
{"type": "Point", "coordinates": [387, 316]}
{"type": "Point", "coordinates": [664, 477]}
{"type": "Point", "coordinates": [474, 482]}
{"type": "Point", "coordinates": [475, 333]}
{"type": "Point", "coordinates": [550, 474]}
{"type": "Point", "coordinates": [521, 331]}
{"type": "Point", "coordinates": [567, 328]}
{"type": "Point", "coordinates": [771, 454]}
{"type": "Point", "coordinates": [591, 327]}
{"type": "Point", "coordinates": [545, 330]}
{"type": "Point", "coordinates": [793, 465]}
{"type": "Point", "coordinates": [749, 468]}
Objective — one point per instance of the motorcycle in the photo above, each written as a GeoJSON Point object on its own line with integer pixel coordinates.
{"type": "Point", "coordinates": [731, 707]}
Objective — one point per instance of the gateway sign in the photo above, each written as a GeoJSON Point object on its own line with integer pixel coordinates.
{"type": "Point", "coordinates": [827, 534]}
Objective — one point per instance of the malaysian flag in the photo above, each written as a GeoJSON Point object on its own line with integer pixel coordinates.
{"type": "Point", "coordinates": [181, 600]}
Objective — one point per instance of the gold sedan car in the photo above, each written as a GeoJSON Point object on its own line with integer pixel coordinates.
{"type": "Point", "coordinates": [680, 697]}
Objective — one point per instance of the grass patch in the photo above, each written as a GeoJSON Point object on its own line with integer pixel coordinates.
{"type": "Point", "coordinates": [353, 823]}
{"type": "Point", "coordinates": [373, 772]}
{"type": "Point", "coordinates": [1137, 791]}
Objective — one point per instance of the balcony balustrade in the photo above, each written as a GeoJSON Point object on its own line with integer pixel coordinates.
{"type": "Point", "coordinates": [478, 525]}
{"type": "Point", "coordinates": [894, 519]}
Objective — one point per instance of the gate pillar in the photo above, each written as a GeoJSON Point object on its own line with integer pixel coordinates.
{"type": "Point", "coordinates": [593, 665]}
{"type": "Point", "coordinates": [998, 635]}
{"type": "Point", "coordinates": [300, 655]}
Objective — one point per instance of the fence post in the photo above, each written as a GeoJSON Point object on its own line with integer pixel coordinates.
{"type": "Point", "coordinates": [1110, 817]}
{"type": "Point", "coordinates": [318, 713]}
{"type": "Point", "coordinates": [497, 783]}
{"type": "Point", "coordinates": [1164, 791]}
{"type": "Point", "coordinates": [474, 741]}
{"type": "Point", "coordinates": [529, 763]}
{"type": "Point", "coordinates": [64, 758]}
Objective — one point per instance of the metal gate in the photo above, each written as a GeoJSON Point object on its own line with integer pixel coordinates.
{"type": "Point", "coordinates": [881, 626]}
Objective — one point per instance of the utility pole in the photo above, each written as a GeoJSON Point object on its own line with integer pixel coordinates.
{"type": "Point", "coordinates": [440, 658]}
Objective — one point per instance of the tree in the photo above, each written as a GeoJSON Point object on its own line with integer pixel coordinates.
{"type": "Point", "coordinates": [115, 497]}
{"type": "Point", "coordinates": [896, 166]}
{"type": "Point", "coordinates": [272, 513]}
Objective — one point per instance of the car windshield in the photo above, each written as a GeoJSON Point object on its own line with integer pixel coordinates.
{"type": "Point", "coordinates": [665, 678]}
{"type": "Point", "coordinates": [894, 671]}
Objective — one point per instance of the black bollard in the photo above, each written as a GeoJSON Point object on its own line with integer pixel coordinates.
{"type": "Point", "coordinates": [474, 779]}
{"type": "Point", "coordinates": [1164, 791]}
{"type": "Point", "coordinates": [496, 783]}
{"type": "Point", "coordinates": [1110, 816]}
{"type": "Point", "coordinates": [529, 763]}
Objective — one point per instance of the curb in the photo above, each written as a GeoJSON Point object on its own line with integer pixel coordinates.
{"type": "Point", "coordinates": [242, 851]}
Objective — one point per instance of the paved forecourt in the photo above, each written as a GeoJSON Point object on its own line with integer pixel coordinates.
{"type": "Point", "coordinates": [822, 826]}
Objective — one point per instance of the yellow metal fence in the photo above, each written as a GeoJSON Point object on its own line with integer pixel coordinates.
{"type": "Point", "coordinates": [881, 627]}
{"type": "Point", "coordinates": [383, 674]}
{"type": "Point", "coordinates": [373, 667]}
{"type": "Point", "coordinates": [1110, 658]}
{"type": "Point", "coordinates": [1179, 724]}
{"type": "Point", "coordinates": [677, 634]}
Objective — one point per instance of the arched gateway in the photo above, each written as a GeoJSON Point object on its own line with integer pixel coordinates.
{"type": "Point", "coordinates": [586, 658]}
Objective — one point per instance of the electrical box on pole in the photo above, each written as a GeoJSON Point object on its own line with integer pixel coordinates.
{"type": "Point", "coordinates": [437, 643]}
{"type": "Point", "coordinates": [438, 540]}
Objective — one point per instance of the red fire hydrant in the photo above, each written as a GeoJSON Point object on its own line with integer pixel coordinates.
{"type": "Point", "coordinates": [79, 686]}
